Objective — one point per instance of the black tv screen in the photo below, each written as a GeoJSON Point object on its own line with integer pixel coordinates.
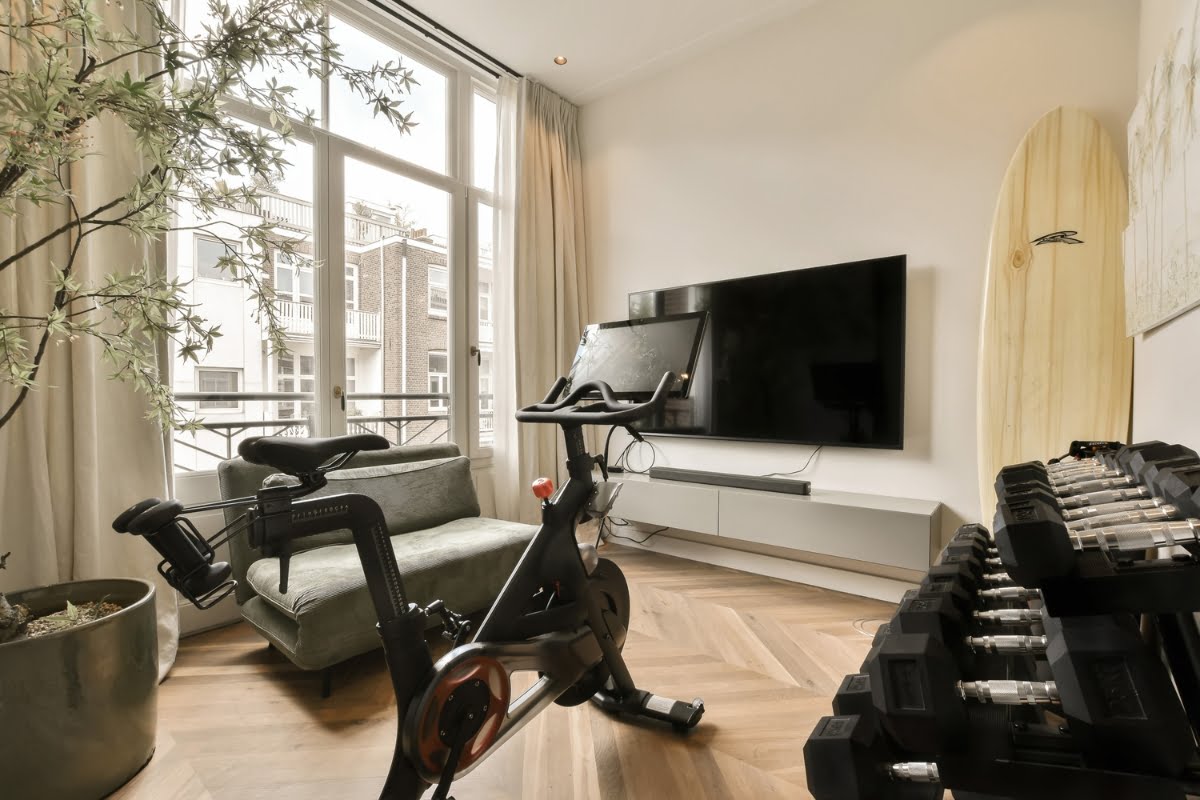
{"type": "Point", "coordinates": [808, 356]}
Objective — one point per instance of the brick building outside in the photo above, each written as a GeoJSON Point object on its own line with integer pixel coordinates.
{"type": "Point", "coordinates": [397, 334]}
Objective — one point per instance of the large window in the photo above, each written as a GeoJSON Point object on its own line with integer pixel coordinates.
{"type": "Point", "coordinates": [379, 248]}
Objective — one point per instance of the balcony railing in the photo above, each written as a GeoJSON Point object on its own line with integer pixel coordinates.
{"type": "Point", "coordinates": [297, 318]}
{"type": "Point", "coordinates": [297, 215]}
{"type": "Point", "coordinates": [218, 437]}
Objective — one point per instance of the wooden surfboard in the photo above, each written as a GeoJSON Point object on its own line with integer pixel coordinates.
{"type": "Point", "coordinates": [1054, 362]}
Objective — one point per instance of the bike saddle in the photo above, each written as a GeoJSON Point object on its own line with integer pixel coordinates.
{"type": "Point", "coordinates": [297, 456]}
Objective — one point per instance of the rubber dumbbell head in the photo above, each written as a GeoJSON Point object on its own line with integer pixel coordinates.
{"type": "Point", "coordinates": [846, 757]}
{"type": "Point", "coordinates": [876, 641]}
{"type": "Point", "coordinates": [912, 688]}
{"type": "Point", "coordinates": [1117, 695]}
{"type": "Point", "coordinates": [1034, 542]}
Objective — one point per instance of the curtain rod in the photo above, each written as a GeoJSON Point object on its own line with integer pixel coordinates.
{"type": "Point", "coordinates": [389, 8]}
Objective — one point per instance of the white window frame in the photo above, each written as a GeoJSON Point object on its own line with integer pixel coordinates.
{"type": "Point", "coordinates": [443, 382]}
{"type": "Point", "coordinates": [279, 258]}
{"type": "Point", "coordinates": [485, 308]}
{"type": "Point", "coordinates": [295, 379]}
{"type": "Point", "coordinates": [351, 287]}
{"type": "Point", "coordinates": [205, 405]}
{"type": "Point", "coordinates": [434, 311]}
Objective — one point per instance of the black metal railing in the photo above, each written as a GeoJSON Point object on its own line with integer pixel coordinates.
{"type": "Point", "coordinates": [216, 438]}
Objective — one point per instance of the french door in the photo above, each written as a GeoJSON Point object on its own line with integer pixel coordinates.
{"type": "Point", "coordinates": [398, 238]}
{"type": "Point", "coordinates": [386, 315]}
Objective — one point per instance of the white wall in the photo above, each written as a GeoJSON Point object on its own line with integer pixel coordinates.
{"type": "Point", "coordinates": [1166, 380]}
{"type": "Point", "coordinates": [854, 129]}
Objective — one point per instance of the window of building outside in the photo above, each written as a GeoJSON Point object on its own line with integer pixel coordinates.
{"type": "Point", "coordinates": [395, 203]}
{"type": "Point", "coordinates": [209, 252]}
{"type": "Point", "coordinates": [292, 281]}
{"type": "Point", "coordinates": [210, 379]}
{"type": "Point", "coordinates": [439, 381]}
{"type": "Point", "coordinates": [295, 374]}
{"type": "Point", "coordinates": [485, 301]}
{"type": "Point", "coordinates": [351, 384]}
{"type": "Point", "coordinates": [439, 292]}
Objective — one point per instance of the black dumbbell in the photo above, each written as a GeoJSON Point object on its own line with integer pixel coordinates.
{"type": "Point", "coordinates": [1177, 491]}
{"type": "Point", "coordinates": [847, 758]}
{"type": "Point", "coordinates": [969, 547]}
{"type": "Point", "coordinates": [1135, 470]}
{"type": "Point", "coordinates": [1117, 697]}
{"type": "Point", "coordinates": [937, 617]}
{"type": "Point", "coordinates": [876, 641]}
{"type": "Point", "coordinates": [1108, 460]}
{"type": "Point", "coordinates": [1165, 484]}
{"type": "Point", "coordinates": [1036, 544]}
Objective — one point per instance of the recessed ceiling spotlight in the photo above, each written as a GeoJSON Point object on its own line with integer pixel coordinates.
{"type": "Point", "coordinates": [560, 60]}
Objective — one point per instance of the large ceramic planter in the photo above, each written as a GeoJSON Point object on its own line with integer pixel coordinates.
{"type": "Point", "coordinates": [78, 707]}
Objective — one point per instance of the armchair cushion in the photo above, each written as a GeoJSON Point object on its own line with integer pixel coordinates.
{"type": "Point", "coordinates": [413, 495]}
{"type": "Point", "coordinates": [327, 615]}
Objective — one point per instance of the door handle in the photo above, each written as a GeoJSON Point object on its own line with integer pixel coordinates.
{"type": "Point", "coordinates": [478, 354]}
{"type": "Point", "coordinates": [339, 394]}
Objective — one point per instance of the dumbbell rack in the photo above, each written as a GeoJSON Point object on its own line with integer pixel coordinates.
{"type": "Point", "coordinates": [882, 742]}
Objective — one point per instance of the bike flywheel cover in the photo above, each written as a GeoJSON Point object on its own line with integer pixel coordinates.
{"type": "Point", "coordinates": [475, 677]}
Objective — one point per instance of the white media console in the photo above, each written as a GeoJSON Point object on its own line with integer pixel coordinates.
{"type": "Point", "coordinates": [863, 544]}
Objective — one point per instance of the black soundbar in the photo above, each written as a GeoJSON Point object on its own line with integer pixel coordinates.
{"type": "Point", "coordinates": [785, 485]}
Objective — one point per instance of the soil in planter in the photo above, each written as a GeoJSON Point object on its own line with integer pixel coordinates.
{"type": "Point", "coordinates": [69, 617]}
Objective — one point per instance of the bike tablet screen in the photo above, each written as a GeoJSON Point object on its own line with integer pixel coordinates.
{"type": "Point", "coordinates": [632, 355]}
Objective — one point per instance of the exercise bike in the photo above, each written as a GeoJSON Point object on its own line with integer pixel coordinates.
{"type": "Point", "coordinates": [563, 613]}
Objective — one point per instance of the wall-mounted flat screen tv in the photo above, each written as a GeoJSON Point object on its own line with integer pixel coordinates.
{"type": "Point", "coordinates": [808, 356]}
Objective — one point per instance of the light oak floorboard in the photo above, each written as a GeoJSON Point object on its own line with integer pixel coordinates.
{"type": "Point", "coordinates": [238, 722]}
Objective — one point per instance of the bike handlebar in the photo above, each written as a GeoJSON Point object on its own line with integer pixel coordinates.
{"type": "Point", "coordinates": [607, 411]}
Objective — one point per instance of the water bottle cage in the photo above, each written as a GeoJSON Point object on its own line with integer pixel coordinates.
{"type": "Point", "coordinates": [178, 581]}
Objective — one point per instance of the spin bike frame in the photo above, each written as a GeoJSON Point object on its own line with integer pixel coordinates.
{"type": "Point", "coordinates": [561, 640]}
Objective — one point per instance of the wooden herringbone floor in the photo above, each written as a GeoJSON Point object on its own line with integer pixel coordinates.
{"type": "Point", "coordinates": [236, 720]}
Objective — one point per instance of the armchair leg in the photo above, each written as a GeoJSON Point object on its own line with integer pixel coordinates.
{"type": "Point", "coordinates": [326, 683]}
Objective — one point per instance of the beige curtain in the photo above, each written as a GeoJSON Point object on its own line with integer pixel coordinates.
{"type": "Point", "coordinates": [541, 279]}
{"type": "Point", "coordinates": [79, 450]}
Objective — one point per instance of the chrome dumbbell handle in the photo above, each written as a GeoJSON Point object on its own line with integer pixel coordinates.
{"type": "Point", "coordinates": [1008, 644]}
{"type": "Point", "coordinates": [996, 577]}
{"type": "Point", "coordinates": [1008, 616]}
{"type": "Point", "coordinates": [1074, 463]}
{"type": "Point", "coordinates": [1010, 593]}
{"type": "Point", "coordinates": [1010, 693]}
{"type": "Point", "coordinates": [1104, 497]}
{"type": "Point", "coordinates": [1077, 515]}
{"type": "Point", "coordinates": [1162, 513]}
{"type": "Point", "coordinates": [915, 772]}
{"type": "Point", "coordinates": [1140, 536]}
{"type": "Point", "coordinates": [1081, 475]}
{"type": "Point", "coordinates": [1095, 485]}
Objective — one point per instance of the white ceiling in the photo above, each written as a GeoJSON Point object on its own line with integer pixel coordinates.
{"type": "Point", "coordinates": [607, 42]}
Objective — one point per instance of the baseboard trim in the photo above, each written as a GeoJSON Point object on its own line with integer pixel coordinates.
{"type": "Point", "coordinates": [840, 580]}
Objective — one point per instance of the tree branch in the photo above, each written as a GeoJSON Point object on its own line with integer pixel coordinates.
{"type": "Point", "coordinates": [54, 234]}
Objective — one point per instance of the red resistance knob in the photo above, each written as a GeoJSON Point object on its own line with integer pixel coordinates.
{"type": "Point", "coordinates": [543, 488]}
